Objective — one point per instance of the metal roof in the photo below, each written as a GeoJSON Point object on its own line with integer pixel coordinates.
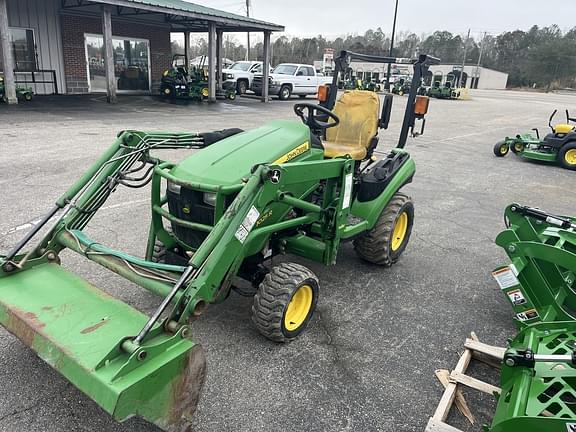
{"type": "Point", "coordinates": [193, 11]}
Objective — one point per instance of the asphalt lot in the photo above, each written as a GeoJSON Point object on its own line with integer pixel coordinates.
{"type": "Point", "coordinates": [367, 360]}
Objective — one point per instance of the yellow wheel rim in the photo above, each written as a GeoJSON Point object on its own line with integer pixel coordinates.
{"type": "Point", "coordinates": [519, 147]}
{"type": "Point", "coordinates": [167, 91]}
{"type": "Point", "coordinates": [504, 149]}
{"type": "Point", "coordinates": [400, 230]}
{"type": "Point", "coordinates": [205, 92]}
{"type": "Point", "coordinates": [570, 157]}
{"type": "Point", "coordinates": [298, 308]}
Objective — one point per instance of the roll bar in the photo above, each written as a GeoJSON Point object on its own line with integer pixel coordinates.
{"type": "Point", "coordinates": [421, 65]}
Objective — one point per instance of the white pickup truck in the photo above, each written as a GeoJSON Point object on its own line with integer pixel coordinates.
{"type": "Point", "coordinates": [239, 76]}
{"type": "Point", "coordinates": [289, 79]}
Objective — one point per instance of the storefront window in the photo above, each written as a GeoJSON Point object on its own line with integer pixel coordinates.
{"type": "Point", "coordinates": [23, 50]}
{"type": "Point", "coordinates": [131, 64]}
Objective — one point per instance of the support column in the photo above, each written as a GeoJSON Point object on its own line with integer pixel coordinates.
{"type": "Point", "coordinates": [109, 54]}
{"type": "Point", "coordinates": [8, 60]}
{"type": "Point", "coordinates": [211, 62]}
{"type": "Point", "coordinates": [187, 49]}
{"type": "Point", "coordinates": [265, 67]}
{"type": "Point", "coordinates": [219, 58]}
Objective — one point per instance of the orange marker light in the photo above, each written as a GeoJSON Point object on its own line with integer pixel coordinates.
{"type": "Point", "coordinates": [323, 93]}
{"type": "Point", "coordinates": [421, 105]}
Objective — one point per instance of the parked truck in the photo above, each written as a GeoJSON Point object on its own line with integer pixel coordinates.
{"type": "Point", "coordinates": [239, 76]}
{"type": "Point", "coordinates": [289, 79]}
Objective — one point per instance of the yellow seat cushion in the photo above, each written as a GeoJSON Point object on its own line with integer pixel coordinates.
{"type": "Point", "coordinates": [358, 111]}
{"type": "Point", "coordinates": [332, 150]}
{"type": "Point", "coordinates": [563, 128]}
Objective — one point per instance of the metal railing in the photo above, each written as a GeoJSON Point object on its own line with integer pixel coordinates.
{"type": "Point", "coordinates": [31, 78]}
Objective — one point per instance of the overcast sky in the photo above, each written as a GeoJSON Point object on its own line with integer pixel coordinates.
{"type": "Point", "coordinates": [332, 18]}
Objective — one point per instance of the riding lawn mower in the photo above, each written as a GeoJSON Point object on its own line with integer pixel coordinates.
{"type": "Point", "coordinates": [559, 146]}
{"type": "Point", "coordinates": [180, 83]}
{"type": "Point", "coordinates": [218, 216]}
{"type": "Point", "coordinates": [22, 93]}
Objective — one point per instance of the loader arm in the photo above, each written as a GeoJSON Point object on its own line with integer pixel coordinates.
{"type": "Point", "coordinates": [127, 362]}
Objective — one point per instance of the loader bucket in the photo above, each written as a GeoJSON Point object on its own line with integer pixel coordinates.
{"type": "Point", "coordinates": [78, 329]}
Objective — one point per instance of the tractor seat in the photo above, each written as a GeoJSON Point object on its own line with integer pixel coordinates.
{"type": "Point", "coordinates": [563, 129]}
{"type": "Point", "coordinates": [358, 111]}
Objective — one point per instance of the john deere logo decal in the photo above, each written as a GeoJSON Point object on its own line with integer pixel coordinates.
{"type": "Point", "coordinates": [571, 427]}
{"type": "Point", "coordinates": [274, 176]}
{"type": "Point", "coordinates": [292, 154]}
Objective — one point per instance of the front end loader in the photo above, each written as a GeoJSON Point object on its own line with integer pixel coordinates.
{"type": "Point", "coordinates": [538, 378]}
{"type": "Point", "coordinates": [218, 218]}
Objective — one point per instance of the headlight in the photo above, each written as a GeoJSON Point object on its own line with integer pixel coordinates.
{"type": "Point", "coordinates": [174, 188]}
{"type": "Point", "coordinates": [166, 72]}
{"type": "Point", "coordinates": [276, 83]}
{"type": "Point", "coordinates": [229, 76]}
{"type": "Point", "coordinates": [210, 199]}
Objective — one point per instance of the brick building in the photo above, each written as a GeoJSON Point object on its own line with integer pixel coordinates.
{"type": "Point", "coordinates": [108, 46]}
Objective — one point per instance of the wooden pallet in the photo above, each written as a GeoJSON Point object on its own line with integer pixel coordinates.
{"type": "Point", "coordinates": [452, 381]}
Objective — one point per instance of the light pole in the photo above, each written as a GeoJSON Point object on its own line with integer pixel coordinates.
{"type": "Point", "coordinates": [391, 47]}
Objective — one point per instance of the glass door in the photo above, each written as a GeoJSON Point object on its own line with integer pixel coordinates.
{"type": "Point", "coordinates": [131, 64]}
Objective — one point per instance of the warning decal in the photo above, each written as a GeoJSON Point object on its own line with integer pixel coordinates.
{"type": "Point", "coordinates": [505, 278]}
{"type": "Point", "coordinates": [347, 191]}
{"type": "Point", "coordinates": [527, 315]}
{"type": "Point", "coordinates": [247, 224]}
{"type": "Point", "coordinates": [516, 297]}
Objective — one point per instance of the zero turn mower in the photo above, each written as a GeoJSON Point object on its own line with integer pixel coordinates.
{"type": "Point", "coordinates": [299, 188]}
{"type": "Point", "coordinates": [559, 146]}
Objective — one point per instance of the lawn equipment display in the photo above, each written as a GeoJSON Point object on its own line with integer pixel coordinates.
{"type": "Point", "coordinates": [559, 146]}
{"type": "Point", "coordinates": [180, 83]}
{"type": "Point", "coordinates": [445, 91]}
{"type": "Point", "coordinates": [22, 93]}
{"type": "Point", "coordinates": [538, 378]}
{"type": "Point", "coordinates": [401, 87]}
{"type": "Point", "coordinates": [219, 216]}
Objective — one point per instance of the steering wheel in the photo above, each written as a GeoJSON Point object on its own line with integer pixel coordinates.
{"type": "Point", "coordinates": [316, 116]}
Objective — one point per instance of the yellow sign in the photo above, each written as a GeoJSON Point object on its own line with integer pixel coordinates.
{"type": "Point", "coordinates": [292, 154]}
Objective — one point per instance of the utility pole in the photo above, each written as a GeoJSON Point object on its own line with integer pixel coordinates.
{"type": "Point", "coordinates": [464, 59]}
{"type": "Point", "coordinates": [477, 73]}
{"type": "Point", "coordinates": [248, 16]}
{"type": "Point", "coordinates": [389, 72]}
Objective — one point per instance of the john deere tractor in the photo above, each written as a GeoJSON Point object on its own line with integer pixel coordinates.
{"type": "Point", "coordinates": [218, 217]}
{"type": "Point", "coordinates": [179, 82]}
{"type": "Point", "coordinates": [538, 378]}
{"type": "Point", "coordinates": [559, 146]}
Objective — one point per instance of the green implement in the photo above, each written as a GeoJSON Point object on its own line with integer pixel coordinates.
{"type": "Point", "coordinates": [218, 217]}
{"type": "Point", "coordinates": [538, 378]}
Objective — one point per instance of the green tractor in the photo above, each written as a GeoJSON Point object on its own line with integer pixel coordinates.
{"type": "Point", "coordinates": [445, 91]}
{"type": "Point", "coordinates": [401, 87]}
{"type": "Point", "coordinates": [22, 93]}
{"type": "Point", "coordinates": [179, 82]}
{"type": "Point", "coordinates": [538, 379]}
{"type": "Point", "coordinates": [558, 147]}
{"type": "Point", "coordinates": [218, 217]}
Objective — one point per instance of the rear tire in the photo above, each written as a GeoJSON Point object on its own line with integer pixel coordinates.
{"type": "Point", "coordinates": [501, 148]}
{"type": "Point", "coordinates": [567, 156]}
{"type": "Point", "coordinates": [285, 302]}
{"type": "Point", "coordinates": [285, 92]}
{"type": "Point", "coordinates": [159, 252]}
{"type": "Point", "coordinates": [384, 243]}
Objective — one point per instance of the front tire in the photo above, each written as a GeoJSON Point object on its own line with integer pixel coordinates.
{"type": "Point", "coordinates": [285, 302]}
{"type": "Point", "coordinates": [384, 243]}
{"type": "Point", "coordinates": [285, 92]}
{"type": "Point", "coordinates": [501, 149]}
{"type": "Point", "coordinates": [241, 87]}
{"type": "Point", "coordinates": [567, 156]}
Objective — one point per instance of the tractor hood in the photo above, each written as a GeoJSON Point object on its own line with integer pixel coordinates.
{"type": "Point", "coordinates": [230, 160]}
